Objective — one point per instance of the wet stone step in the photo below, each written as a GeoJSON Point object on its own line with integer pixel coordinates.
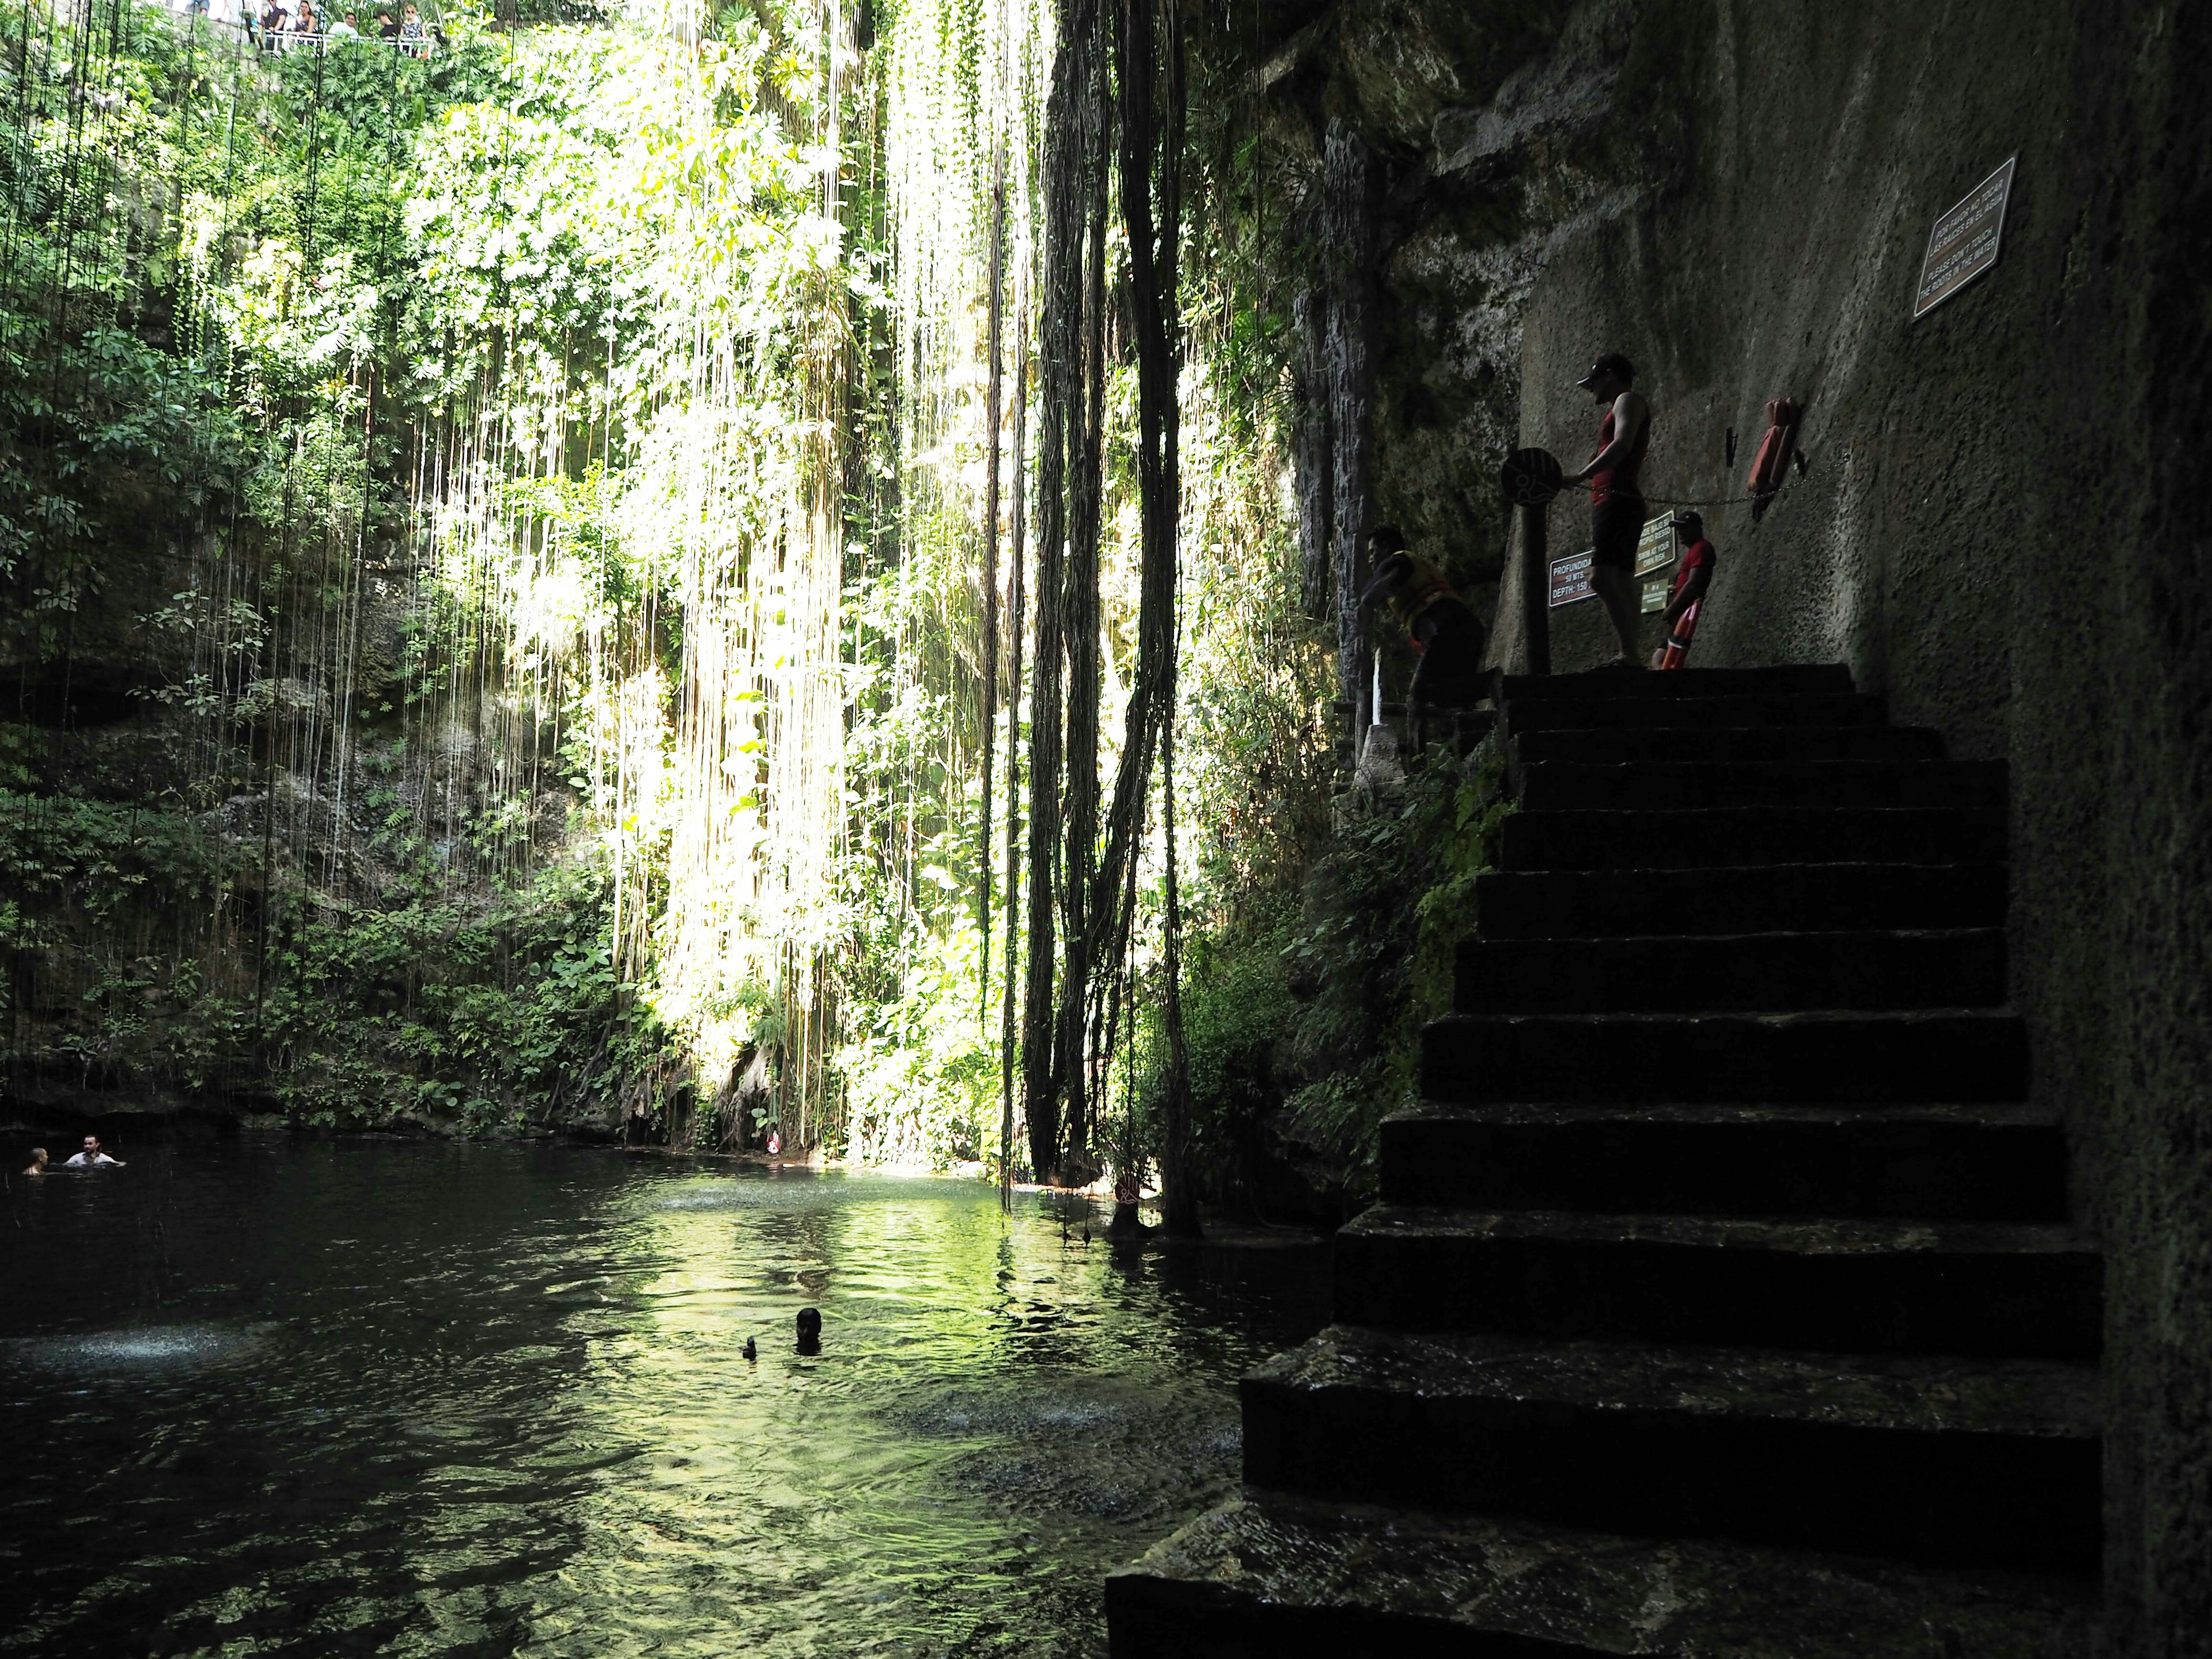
{"type": "Point", "coordinates": [1610, 684]}
{"type": "Point", "coordinates": [1273, 1574]}
{"type": "Point", "coordinates": [1745, 899]}
{"type": "Point", "coordinates": [1546, 713]}
{"type": "Point", "coordinates": [1561, 786]}
{"type": "Point", "coordinates": [1645, 838]}
{"type": "Point", "coordinates": [1810, 1059]}
{"type": "Point", "coordinates": [1615, 746]}
{"type": "Point", "coordinates": [1941, 1162]}
{"type": "Point", "coordinates": [1961, 968]}
{"type": "Point", "coordinates": [1939, 1459]}
{"type": "Point", "coordinates": [1835, 1285]}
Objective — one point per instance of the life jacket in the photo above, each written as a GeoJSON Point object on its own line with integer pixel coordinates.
{"type": "Point", "coordinates": [1416, 591]}
{"type": "Point", "coordinates": [1775, 449]}
{"type": "Point", "coordinates": [1621, 479]}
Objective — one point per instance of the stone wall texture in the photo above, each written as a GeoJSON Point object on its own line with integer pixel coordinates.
{"type": "Point", "coordinates": [2003, 526]}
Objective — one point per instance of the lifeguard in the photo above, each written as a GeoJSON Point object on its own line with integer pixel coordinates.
{"type": "Point", "coordinates": [1617, 505]}
{"type": "Point", "coordinates": [1693, 577]}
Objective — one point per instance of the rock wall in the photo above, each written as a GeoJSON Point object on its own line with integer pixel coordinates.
{"type": "Point", "coordinates": [2002, 527]}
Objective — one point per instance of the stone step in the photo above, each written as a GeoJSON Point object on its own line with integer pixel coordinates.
{"type": "Point", "coordinates": [1272, 1574]}
{"type": "Point", "coordinates": [1617, 745]}
{"type": "Point", "coordinates": [1605, 685]}
{"type": "Point", "coordinates": [1541, 714]}
{"type": "Point", "coordinates": [1669, 785]}
{"type": "Point", "coordinates": [1824, 1057]}
{"type": "Point", "coordinates": [1875, 1286]}
{"type": "Point", "coordinates": [1937, 1460]}
{"type": "Point", "coordinates": [1743, 899]}
{"type": "Point", "coordinates": [1950, 968]}
{"type": "Point", "coordinates": [1646, 838]}
{"type": "Point", "coordinates": [1956, 1163]}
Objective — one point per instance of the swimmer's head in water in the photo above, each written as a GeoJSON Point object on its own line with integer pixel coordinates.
{"type": "Point", "coordinates": [810, 1331]}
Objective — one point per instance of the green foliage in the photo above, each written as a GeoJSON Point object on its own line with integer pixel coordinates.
{"type": "Point", "coordinates": [218, 269]}
{"type": "Point", "coordinates": [1386, 910]}
{"type": "Point", "coordinates": [461, 1017]}
{"type": "Point", "coordinates": [429, 837]}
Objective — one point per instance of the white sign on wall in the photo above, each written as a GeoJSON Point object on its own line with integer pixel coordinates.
{"type": "Point", "coordinates": [1570, 579]}
{"type": "Point", "coordinates": [1965, 241]}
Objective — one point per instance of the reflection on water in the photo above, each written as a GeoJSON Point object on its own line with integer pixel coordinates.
{"type": "Point", "coordinates": [271, 1396]}
{"type": "Point", "coordinates": [137, 1348]}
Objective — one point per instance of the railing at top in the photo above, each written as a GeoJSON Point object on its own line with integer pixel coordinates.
{"type": "Point", "coordinates": [289, 39]}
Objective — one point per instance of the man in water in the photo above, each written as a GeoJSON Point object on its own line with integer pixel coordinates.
{"type": "Point", "coordinates": [1617, 505]}
{"type": "Point", "coordinates": [92, 1158]}
{"type": "Point", "coordinates": [810, 1331]}
{"type": "Point", "coordinates": [38, 1161]}
{"type": "Point", "coordinates": [1443, 632]}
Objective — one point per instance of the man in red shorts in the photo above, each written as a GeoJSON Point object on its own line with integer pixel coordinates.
{"type": "Point", "coordinates": [1617, 505]}
{"type": "Point", "coordinates": [1694, 576]}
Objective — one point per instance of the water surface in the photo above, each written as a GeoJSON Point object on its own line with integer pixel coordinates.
{"type": "Point", "coordinates": [272, 1395]}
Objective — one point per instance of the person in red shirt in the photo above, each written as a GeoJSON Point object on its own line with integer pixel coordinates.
{"type": "Point", "coordinates": [1694, 576]}
{"type": "Point", "coordinates": [1616, 506]}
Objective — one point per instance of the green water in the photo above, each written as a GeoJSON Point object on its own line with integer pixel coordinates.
{"type": "Point", "coordinates": [272, 1395]}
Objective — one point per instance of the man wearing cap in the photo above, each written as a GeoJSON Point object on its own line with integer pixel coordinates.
{"type": "Point", "coordinates": [1693, 574]}
{"type": "Point", "coordinates": [1617, 505]}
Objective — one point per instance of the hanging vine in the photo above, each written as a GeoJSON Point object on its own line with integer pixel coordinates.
{"type": "Point", "coordinates": [600, 596]}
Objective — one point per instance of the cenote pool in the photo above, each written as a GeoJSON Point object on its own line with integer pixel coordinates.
{"type": "Point", "coordinates": [280, 1395]}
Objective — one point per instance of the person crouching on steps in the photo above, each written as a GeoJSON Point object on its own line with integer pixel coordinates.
{"type": "Point", "coordinates": [1444, 633]}
{"type": "Point", "coordinates": [1616, 504]}
{"type": "Point", "coordinates": [1694, 575]}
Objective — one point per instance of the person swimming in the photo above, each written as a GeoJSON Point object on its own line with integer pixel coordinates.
{"type": "Point", "coordinates": [38, 1161]}
{"type": "Point", "coordinates": [92, 1158]}
{"type": "Point", "coordinates": [810, 1331]}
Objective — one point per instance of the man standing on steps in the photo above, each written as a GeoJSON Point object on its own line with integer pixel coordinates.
{"type": "Point", "coordinates": [1616, 506]}
{"type": "Point", "coordinates": [1694, 575]}
{"type": "Point", "coordinates": [1443, 631]}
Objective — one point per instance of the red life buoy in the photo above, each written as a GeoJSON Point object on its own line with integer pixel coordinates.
{"type": "Point", "coordinates": [1677, 648]}
{"type": "Point", "coordinates": [1775, 449]}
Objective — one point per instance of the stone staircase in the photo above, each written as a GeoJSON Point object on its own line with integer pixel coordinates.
{"type": "Point", "coordinates": [1721, 1300]}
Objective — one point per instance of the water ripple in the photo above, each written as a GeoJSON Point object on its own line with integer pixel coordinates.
{"type": "Point", "coordinates": [441, 1401]}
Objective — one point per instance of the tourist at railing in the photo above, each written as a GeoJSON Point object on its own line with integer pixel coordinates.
{"type": "Point", "coordinates": [276, 28]}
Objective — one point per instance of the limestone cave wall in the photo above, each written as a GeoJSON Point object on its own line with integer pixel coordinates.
{"type": "Point", "coordinates": [2001, 526]}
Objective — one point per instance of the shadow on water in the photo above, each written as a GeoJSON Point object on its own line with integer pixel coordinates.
{"type": "Point", "coordinates": [274, 1395]}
